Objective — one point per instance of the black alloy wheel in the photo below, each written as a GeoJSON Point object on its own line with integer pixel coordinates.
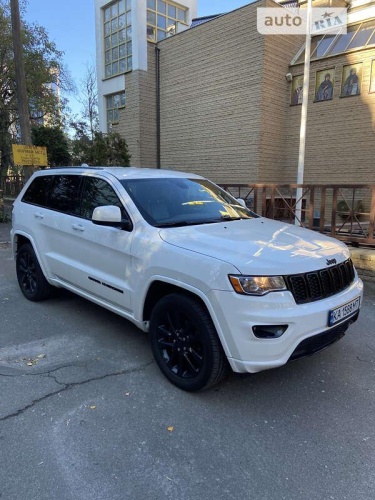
{"type": "Point", "coordinates": [30, 276]}
{"type": "Point", "coordinates": [185, 343]}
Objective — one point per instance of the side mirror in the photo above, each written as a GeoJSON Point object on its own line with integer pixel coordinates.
{"type": "Point", "coordinates": [241, 202]}
{"type": "Point", "coordinates": [110, 215]}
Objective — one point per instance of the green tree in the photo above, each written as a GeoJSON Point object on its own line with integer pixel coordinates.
{"type": "Point", "coordinates": [53, 138]}
{"type": "Point", "coordinates": [110, 149]}
{"type": "Point", "coordinates": [45, 75]}
{"type": "Point", "coordinates": [104, 149]}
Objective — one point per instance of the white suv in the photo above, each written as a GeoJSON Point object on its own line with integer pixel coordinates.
{"type": "Point", "coordinates": [213, 283]}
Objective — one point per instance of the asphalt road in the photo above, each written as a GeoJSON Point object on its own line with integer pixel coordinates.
{"type": "Point", "coordinates": [86, 414]}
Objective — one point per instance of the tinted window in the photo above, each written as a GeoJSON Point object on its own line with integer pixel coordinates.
{"type": "Point", "coordinates": [37, 192]}
{"type": "Point", "coordinates": [63, 195]}
{"type": "Point", "coordinates": [98, 193]}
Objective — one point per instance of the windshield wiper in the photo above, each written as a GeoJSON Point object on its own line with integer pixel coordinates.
{"type": "Point", "coordinates": [227, 218]}
{"type": "Point", "coordinates": [176, 224]}
{"type": "Point", "coordinates": [197, 222]}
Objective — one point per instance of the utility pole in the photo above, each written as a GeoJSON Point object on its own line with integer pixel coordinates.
{"type": "Point", "coordinates": [302, 138]}
{"type": "Point", "coordinates": [22, 99]}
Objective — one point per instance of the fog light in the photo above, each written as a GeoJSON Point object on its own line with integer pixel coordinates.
{"type": "Point", "coordinates": [269, 331]}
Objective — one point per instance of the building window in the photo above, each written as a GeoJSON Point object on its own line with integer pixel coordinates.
{"type": "Point", "coordinates": [113, 103]}
{"type": "Point", "coordinates": [117, 38]}
{"type": "Point", "coordinates": [358, 36]}
{"type": "Point", "coordinates": [162, 19]}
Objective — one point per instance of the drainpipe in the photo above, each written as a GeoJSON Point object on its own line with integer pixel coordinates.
{"type": "Point", "coordinates": [157, 64]}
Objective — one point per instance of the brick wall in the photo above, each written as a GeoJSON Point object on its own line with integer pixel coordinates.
{"type": "Point", "coordinates": [210, 94]}
{"type": "Point", "coordinates": [278, 53]}
{"type": "Point", "coordinates": [148, 112]}
{"type": "Point", "coordinates": [340, 139]}
{"type": "Point", "coordinates": [224, 99]}
{"type": "Point", "coordinates": [137, 121]}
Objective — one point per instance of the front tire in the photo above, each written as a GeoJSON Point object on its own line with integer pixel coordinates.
{"type": "Point", "coordinates": [185, 344]}
{"type": "Point", "coordinates": [31, 280]}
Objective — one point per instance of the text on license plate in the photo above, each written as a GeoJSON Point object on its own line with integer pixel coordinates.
{"type": "Point", "coordinates": [342, 312]}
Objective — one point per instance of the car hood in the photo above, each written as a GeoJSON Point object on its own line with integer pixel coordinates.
{"type": "Point", "coordinates": [260, 246]}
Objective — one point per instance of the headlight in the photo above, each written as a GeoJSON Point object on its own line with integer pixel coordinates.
{"type": "Point", "coordinates": [257, 285]}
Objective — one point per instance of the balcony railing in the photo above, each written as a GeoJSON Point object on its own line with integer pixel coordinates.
{"type": "Point", "coordinates": [346, 212]}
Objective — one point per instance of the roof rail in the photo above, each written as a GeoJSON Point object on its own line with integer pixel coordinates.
{"type": "Point", "coordinates": [78, 166]}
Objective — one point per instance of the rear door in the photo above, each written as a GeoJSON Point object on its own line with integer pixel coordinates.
{"type": "Point", "coordinates": [46, 208]}
{"type": "Point", "coordinates": [56, 236]}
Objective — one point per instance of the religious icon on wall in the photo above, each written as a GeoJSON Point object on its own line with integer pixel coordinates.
{"type": "Point", "coordinates": [297, 90]}
{"type": "Point", "coordinates": [324, 84]}
{"type": "Point", "coordinates": [351, 80]}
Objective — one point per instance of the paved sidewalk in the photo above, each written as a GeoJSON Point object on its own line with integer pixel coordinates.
{"type": "Point", "coordinates": [5, 228]}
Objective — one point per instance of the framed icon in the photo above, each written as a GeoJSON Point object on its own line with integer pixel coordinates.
{"type": "Point", "coordinates": [351, 80]}
{"type": "Point", "coordinates": [297, 90]}
{"type": "Point", "coordinates": [324, 82]}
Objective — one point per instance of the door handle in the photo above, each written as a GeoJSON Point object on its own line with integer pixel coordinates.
{"type": "Point", "coordinates": [39, 215]}
{"type": "Point", "coordinates": [78, 227]}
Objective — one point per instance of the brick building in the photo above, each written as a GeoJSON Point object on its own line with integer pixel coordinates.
{"type": "Point", "coordinates": [214, 98]}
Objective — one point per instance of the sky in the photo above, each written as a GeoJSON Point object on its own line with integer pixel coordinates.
{"type": "Point", "coordinates": [71, 25]}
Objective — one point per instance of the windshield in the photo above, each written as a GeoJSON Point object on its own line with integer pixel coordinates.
{"type": "Point", "coordinates": [167, 202]}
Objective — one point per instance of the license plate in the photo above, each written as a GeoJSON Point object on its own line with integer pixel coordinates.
{"type": "Point", "coordinates": [343, 312]}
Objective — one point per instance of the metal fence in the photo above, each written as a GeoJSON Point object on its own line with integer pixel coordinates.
{"type": "Point", "coordinates": [11, 185]}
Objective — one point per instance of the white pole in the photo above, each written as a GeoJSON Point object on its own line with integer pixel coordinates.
{"type": "Point", "coordinates": [305, 96]}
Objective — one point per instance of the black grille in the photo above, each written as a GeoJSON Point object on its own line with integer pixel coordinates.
{"type": "Point", "coordinates": [317, 285]}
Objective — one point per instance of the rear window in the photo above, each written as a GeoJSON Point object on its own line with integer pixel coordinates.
{"type": "Point", "coordinates": [56, 192]}
{"type": "Point", "coordinates": [37, 192]}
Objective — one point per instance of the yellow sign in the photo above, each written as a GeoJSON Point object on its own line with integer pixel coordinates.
{"type": "Point", "coordinates": [30, 156]}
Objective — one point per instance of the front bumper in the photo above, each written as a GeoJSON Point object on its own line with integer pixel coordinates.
{"type": "Point", "coordinates": [318, 342]}
{"type": "Point", "coordinates": [235, 316]}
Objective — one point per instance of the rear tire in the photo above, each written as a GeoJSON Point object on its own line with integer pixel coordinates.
{"type": "Point", "coordinates": [31, 280]}
{"type": "Point", "coordinates": [185, 344]}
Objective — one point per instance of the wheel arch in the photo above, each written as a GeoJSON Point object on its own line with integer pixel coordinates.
{"type": "Point", "coordinates": [20, 239]}
{"type": "Point", "coordinates": [160, 288]}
